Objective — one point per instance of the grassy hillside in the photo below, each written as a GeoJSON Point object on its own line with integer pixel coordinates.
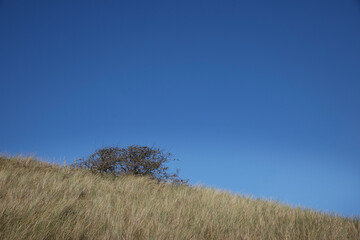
{"type": "Point", "coordinates": [42, 201]}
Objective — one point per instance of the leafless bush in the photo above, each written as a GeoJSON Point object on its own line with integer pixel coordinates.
{"type": "Point", "coordinates": [134, 159]}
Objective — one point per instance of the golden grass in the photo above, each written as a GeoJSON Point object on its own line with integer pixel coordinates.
{"type": "Point", "coordinates": [43, 201]}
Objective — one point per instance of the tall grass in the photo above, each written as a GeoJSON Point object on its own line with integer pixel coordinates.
{"type": "Point", "coordinates": [43, 201]}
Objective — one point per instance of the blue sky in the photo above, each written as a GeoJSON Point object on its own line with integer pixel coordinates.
{"type": "Point", "coordinates": [256, 97]}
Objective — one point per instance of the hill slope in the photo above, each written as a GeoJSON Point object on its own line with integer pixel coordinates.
{"type": "Point", "coordinates": [42, 201]}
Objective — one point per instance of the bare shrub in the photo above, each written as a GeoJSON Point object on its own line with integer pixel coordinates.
{"type": "Point", "coordinates": [134, 160]}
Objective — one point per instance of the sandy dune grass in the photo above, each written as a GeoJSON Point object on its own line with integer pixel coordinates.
{"type": "Point", "coordinates": [42, 201]}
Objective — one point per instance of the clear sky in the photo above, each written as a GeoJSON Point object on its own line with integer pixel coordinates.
{"type": "Point", "coordinates": [257, 97]}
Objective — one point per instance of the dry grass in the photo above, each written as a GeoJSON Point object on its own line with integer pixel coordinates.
{"type": "Point", "coordinates": [42, 201]}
